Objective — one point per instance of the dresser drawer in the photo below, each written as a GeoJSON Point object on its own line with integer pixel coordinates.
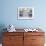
{"type": "Point", "coordinates": [37, 45]}
{"type": "Point", "coordinates": [13, 33]}
{"type": "Point", "coordinates": [12, 39]}
{"type": "Point", "coordinates": [37, 40]}
{"type": "Point", "coordinates": [34, 34]}
{"type": "Point", "coordinates": [8, 44]}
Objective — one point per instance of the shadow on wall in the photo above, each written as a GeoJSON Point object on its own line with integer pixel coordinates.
{"type": "Point", "coordinates": [2, 26]}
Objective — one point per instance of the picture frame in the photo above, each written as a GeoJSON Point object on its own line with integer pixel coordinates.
{"type": "Point", "coordinates": [25, 13]}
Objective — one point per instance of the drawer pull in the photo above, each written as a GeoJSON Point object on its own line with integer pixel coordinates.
{"type": "Point", "coordinates": [10, 38]}
{"type": "Point", "coordinates": [33, 39]}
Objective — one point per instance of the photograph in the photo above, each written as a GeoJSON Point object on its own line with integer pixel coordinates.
{"type": "Point", "coordinates": [25, 13]}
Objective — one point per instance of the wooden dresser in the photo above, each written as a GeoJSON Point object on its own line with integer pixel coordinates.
{"type": "Point", "coordinates": [23, 38]}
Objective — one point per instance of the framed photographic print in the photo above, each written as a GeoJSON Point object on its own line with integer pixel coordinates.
{"type": "Point", "coordinates": [25, 13]}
